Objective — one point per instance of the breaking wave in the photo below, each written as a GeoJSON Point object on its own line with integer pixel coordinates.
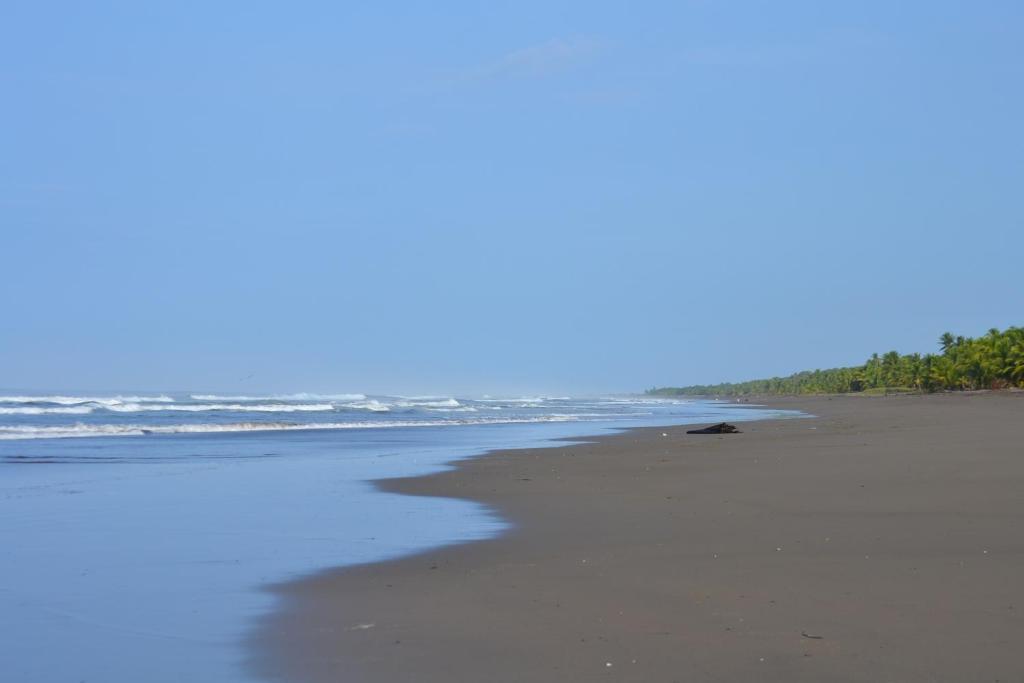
{"type": "Point", "coordinates": [39, 416]}
{"type": "Point", "coordinates": [37, 410]}
{"type": "Point", "coordinates": [238, 407]}
{"type": "Point", "coordinates": [281, 397]}
{"type": "Point", "coordinates": [84, 430]}
{"type": "Point", "coordinates": [429, 402]}
{"type": "Point", "coordinates": [372, 405]}
{"type": "Point", "coordinates": [75, 400]}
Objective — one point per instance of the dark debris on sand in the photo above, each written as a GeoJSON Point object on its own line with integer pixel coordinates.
{"type": "Point", "coordinates": [720, 428]}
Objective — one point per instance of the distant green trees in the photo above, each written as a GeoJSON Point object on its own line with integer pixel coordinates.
{"type": "Point", "coordinates": [993, 361]}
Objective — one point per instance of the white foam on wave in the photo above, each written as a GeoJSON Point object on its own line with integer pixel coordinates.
{"type": "Point", "coordinates": [36, 410]}
{"type": "Point", "coordinates": [440, 403]}
{"type": "Point", "coordinates": [84, 430]}
{"type": "Point", "coordinates": [74, 400]}
{"type": "Point", "coordinates": [642, 400]}
{"type": "Point", "coordinates": [237, 407]}
{"type": "Point", "coordinates": [428, 397]}
{"type": "Point", "coordinates": [66, 431]}
{"type": "Point", "coordinates": [523, 399]}
{"type": "Point", "coordinates": [372, 405]}
{"type": "Point", "coordinates": [429, 402]}
{"type": "Point", "coordinates": [281, 397]}
{"type": "Point", "coordinates": [519, 399]}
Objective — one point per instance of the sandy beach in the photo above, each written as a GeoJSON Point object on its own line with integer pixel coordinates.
{"type": "Point", "coordinates": [882, 540]}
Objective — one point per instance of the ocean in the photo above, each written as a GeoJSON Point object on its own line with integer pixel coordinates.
{"type": "Point", "coordinates": [138, 533]}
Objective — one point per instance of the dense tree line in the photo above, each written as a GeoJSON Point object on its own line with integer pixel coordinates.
{"type": "Point", "coordinates": [993, 361]}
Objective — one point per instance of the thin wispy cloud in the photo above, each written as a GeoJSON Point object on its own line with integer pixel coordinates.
{"type": "Point", "coordinates": [542, 60]}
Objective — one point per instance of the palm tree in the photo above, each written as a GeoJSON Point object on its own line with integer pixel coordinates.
{"type": "Point", "coordinates": [995, 360]}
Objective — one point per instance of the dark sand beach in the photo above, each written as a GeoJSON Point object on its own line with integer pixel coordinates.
{"type": "Point", "coordinates": [881, 541]}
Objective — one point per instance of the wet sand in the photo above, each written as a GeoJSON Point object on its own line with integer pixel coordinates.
{"type": "Point", "coordinates": [881, 541]}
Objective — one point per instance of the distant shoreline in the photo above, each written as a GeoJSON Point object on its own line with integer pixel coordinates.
{"type": "Point", "coordinates": [992, 361]}
{"type": "Point", "coordinates": [881, 392]}
{"type": "Point", "coordinates": [878, 541]}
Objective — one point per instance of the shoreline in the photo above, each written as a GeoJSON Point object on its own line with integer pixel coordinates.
{"type": "Point", "coordinates": [877, 541]}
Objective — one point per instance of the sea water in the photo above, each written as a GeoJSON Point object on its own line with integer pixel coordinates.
{"type": "Point", "coordinates": [137, 533]}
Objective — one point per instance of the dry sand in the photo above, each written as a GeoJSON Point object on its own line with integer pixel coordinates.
{"type": "Point", "coordinates": [882, 541]}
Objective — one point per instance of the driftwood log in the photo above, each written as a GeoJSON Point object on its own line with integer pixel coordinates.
{"type": "Point", "coordinates": [720, 428]}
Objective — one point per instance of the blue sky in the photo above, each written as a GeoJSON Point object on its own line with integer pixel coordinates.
{"type": "Point", "coordinates": [500, 197]}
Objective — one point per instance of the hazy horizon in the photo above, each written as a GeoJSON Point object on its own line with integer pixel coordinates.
{"type": "Point", "coordinates": [244, 387]}
{"type": "Point", "coordinates": [540, 198]}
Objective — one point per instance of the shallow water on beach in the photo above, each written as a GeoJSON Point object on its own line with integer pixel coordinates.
{"type": "Point", "coordinates": [140, 555]}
